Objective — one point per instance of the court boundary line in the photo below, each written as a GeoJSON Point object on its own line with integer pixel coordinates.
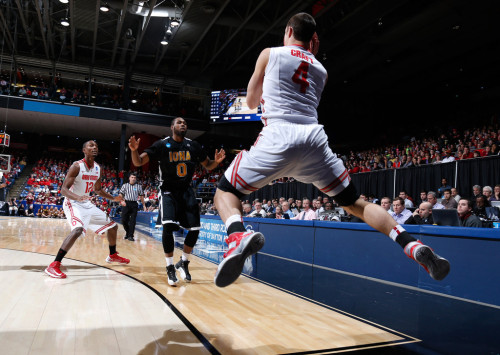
{"type": "Point", "coordinates": [204, 341]}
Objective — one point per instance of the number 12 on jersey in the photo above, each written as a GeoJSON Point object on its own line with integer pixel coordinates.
{"type": "Point", "coordinates": [300, 76]}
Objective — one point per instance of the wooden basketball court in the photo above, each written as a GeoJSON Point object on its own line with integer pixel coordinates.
{"type": "Point", "coordinates": [130, 309]}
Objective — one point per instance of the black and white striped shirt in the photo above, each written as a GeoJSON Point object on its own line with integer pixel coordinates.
{"type": "Point", "coordinates": [131, 192]}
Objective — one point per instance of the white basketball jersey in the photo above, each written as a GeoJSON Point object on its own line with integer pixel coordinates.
{"type": "Point", "coordinates": [293, 83]}
{"type": "Point", "coordinates": [84, 182]}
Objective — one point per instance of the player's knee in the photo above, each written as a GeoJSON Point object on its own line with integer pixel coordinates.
{"type": "Point", "coordinates": [77, 231]}
{"type": "Point", "coordinates": [225, 185]}
{"type": "Point", "coordinates": [171, 227]}
{"type": "Point", "coordinates": [192, 238]}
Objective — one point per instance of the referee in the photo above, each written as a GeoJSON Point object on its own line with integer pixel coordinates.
{"type": "Point", "coordinates": [130, 192]}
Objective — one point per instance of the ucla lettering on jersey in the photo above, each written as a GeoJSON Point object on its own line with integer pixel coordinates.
{"type": "Point", "coordinates": [292, 88]}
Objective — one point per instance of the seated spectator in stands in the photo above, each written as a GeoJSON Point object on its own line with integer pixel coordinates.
{"type": "Point", "coordinates": [467, 219]}
{"type": "Point", "coordinates": [422, 215]}
{"type": "Point", "coordinates": [448, 157]}
{"type": "Point", "coordinates": [259, 211]}
{"type": "Point", "coordinates": [298, 205]}
{"type": "Point", "coordinates": [496, 194]}
{"type": "Point", "coordinates": [46, 212]}
{"type": "Point", "coordinates": [467, 154]}
{"type": "Point", "coordinates": [279, 213]}
{"type": "Point", "coordinates": [423, 196]}
{"type": "Point", "coordinates": [39, 212]}
{"type": "Point", "coordinates": [437, 160]}
{"type": "Point", "coordinates": [444, 186]}
{"type": "Point", "coordinates": [247, 209]}
{"type": "Point", "coordinates": [286, 209]}
{"type": "Point", "coordinates": [399, 212]}
{"type": "Point", "coordinates": [21, 211]}
{"type": "Point", "coordinates": [448, 202]}
{"type": "Point", "coordinates": [432, 198]}
{"type": "Point", "coordinates": [480, 208]}
{"type": "Point", "coordinates": [385, 202]}
{"type": "Point", "coordinates": [307, 213]}
{"type": "Point", "coordinates": [455, 195]}
{"type": "Point", "coordinates": [487, 192]}
{"type": "Point", "coordinates": [13, 207]}
{"type": "Point", "coordinates": [328, 207]}
{"type": "Point", "coordinates": [408, 202]}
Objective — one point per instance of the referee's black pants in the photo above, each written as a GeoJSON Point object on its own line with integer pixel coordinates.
{"type": "Point", "coordinates": [129, 215]}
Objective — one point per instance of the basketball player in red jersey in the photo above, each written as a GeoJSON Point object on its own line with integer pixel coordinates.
{"type": "Point", "coordinates": [83, 177]}
{"type": "Point", "coordinates": [288, 82]}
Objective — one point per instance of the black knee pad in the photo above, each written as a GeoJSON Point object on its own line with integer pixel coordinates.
{"type": "Point", "coordinates": [226, 186]}
{"type": "Point", "coordinates": [347, 197]}
{"type": "Point", "coordinates": [192, 238]}
{"type": "Point", "coordinates": [167, 237]}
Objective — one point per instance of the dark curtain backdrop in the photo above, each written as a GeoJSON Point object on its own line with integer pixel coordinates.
{"type": "Point", "coordinates": [483, 171]}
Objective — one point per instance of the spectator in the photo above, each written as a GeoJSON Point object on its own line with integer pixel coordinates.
{"type": "Point", "coordinates": [480, 209]}
{"type": "Point", "coordinates": [423, 196]}
{"type": "Point", "coordinates": [448, 158]}
{"type": "Point", "coordinates": [399, 213]}
{"type": "Point", "coordinates": [13, 207]}
{"type": "Point", "coordinates": [455, 195]}
{"type": "Point", "coordinates": [408, 203]}
{"type": "Point", "coordinates": [488, 192]}
{"type": "Point", "coordinates": [385, 202]}
{"type": "Point", "coordinates": [247, 209]}
{"type": "Point", "coordinates": [286, 209]}
{"type": "Point", "coordinates": [259, 211]}
{"type": "Point", "coordinates": [279, 213]}
{"type": "Point", "coordinates": [307, 213]}
{"type": "Point", "coordinates": [496, 194]}
{"type": "Point", "coordinates": [422, 215]}
{"type": "Point", "coordinates": [467, 219]}
{"type": "Point", "coordinates": [444, 186]}
{"type": "Point", "coordinates": [21, 211]}
{"type": "Point", "coordinates": [432, 198]}
{"type": "Point", "coordinates": [448, 202]}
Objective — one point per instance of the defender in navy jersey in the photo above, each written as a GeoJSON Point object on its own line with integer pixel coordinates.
{"type": "Point", "coordinates": [288, 82]}
{"type": "Point", "coordinates": [177, 158]}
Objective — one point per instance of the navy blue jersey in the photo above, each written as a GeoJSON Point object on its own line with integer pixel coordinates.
{"type": "Point", "coordinates": [177, 161]}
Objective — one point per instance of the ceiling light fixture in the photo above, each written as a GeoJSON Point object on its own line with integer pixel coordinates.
{"type": "Point", "coordinates": [164, 41]}
{"type": "Point", "coordinates": [104, 7]}
{"type": "Point", "coordinates": [64, 1]}
{"type": "Point", "coordinates": [174, 23]}
{"type": "Point", "coordinates": [169, 32]}
{"type": "Point", "coordinates": [65, 22]}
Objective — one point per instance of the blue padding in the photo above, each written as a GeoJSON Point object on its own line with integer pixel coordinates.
{"type": "Point", "coordinates": [51, 108]}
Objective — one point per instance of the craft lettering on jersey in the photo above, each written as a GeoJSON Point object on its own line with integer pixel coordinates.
{"type": "Point", "coordinates": [179, 156]}
{"type": "Point", "coordinates": [299, 54]}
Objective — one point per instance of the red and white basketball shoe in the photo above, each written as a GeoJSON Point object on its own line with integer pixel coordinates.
{"type": "Point", "coordinates": [437, 266]}
{"type": "Point", "coordinates": [241, 246]}
{"type": "Point", "coordinates": [54, 270]}
{"type": "Point", "coordinates": [115, 258]}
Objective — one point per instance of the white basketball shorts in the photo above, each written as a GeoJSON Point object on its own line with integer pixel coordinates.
{"type": "Point", "coordinates": [289, 150]}
{"type": "Point", "coordinates": [86, 215]}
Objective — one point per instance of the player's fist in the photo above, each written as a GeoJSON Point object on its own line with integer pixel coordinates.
{"type": "Point", "coordinates": [133, 144]}
{"type": "Point", "coordinates": [314, 44]}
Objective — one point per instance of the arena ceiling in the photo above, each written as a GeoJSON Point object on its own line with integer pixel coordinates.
{"type": "Point", "coordinates": [365, 44]}
{"type": "Point", "coordinates": [377, 52]}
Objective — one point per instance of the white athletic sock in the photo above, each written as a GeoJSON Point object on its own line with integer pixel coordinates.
{"type": "Point", "coordinates": [395, 232]}
{"type": "Point", "coordinates": [185, 257]}
{"type": "Point", "coordinates": [170, 260]}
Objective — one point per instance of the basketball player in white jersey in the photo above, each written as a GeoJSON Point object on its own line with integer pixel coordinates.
{"type": "Point", "coordinates": [83, 177]}
{"type": "Point", "coordinates": [288, 82]}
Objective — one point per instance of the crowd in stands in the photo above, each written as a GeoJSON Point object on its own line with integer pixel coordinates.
{"type": "Point", "coordinates": [102, 95]}
{"type": "Point", "coordinates": [17, 164]}
{"type": "Point", "coordinates": [447, 147]}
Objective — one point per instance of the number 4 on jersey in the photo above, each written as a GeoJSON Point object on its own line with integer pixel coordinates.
{"type": "Point", "coordinates": [300, 76]}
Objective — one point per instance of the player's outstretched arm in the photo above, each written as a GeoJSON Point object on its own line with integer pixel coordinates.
{"type": "Point", "coordinates": [137, 159]}
{"type": "Point", "coordinates": [220, 155]}
{"type": "Point", "coordinates": [99, 191]}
